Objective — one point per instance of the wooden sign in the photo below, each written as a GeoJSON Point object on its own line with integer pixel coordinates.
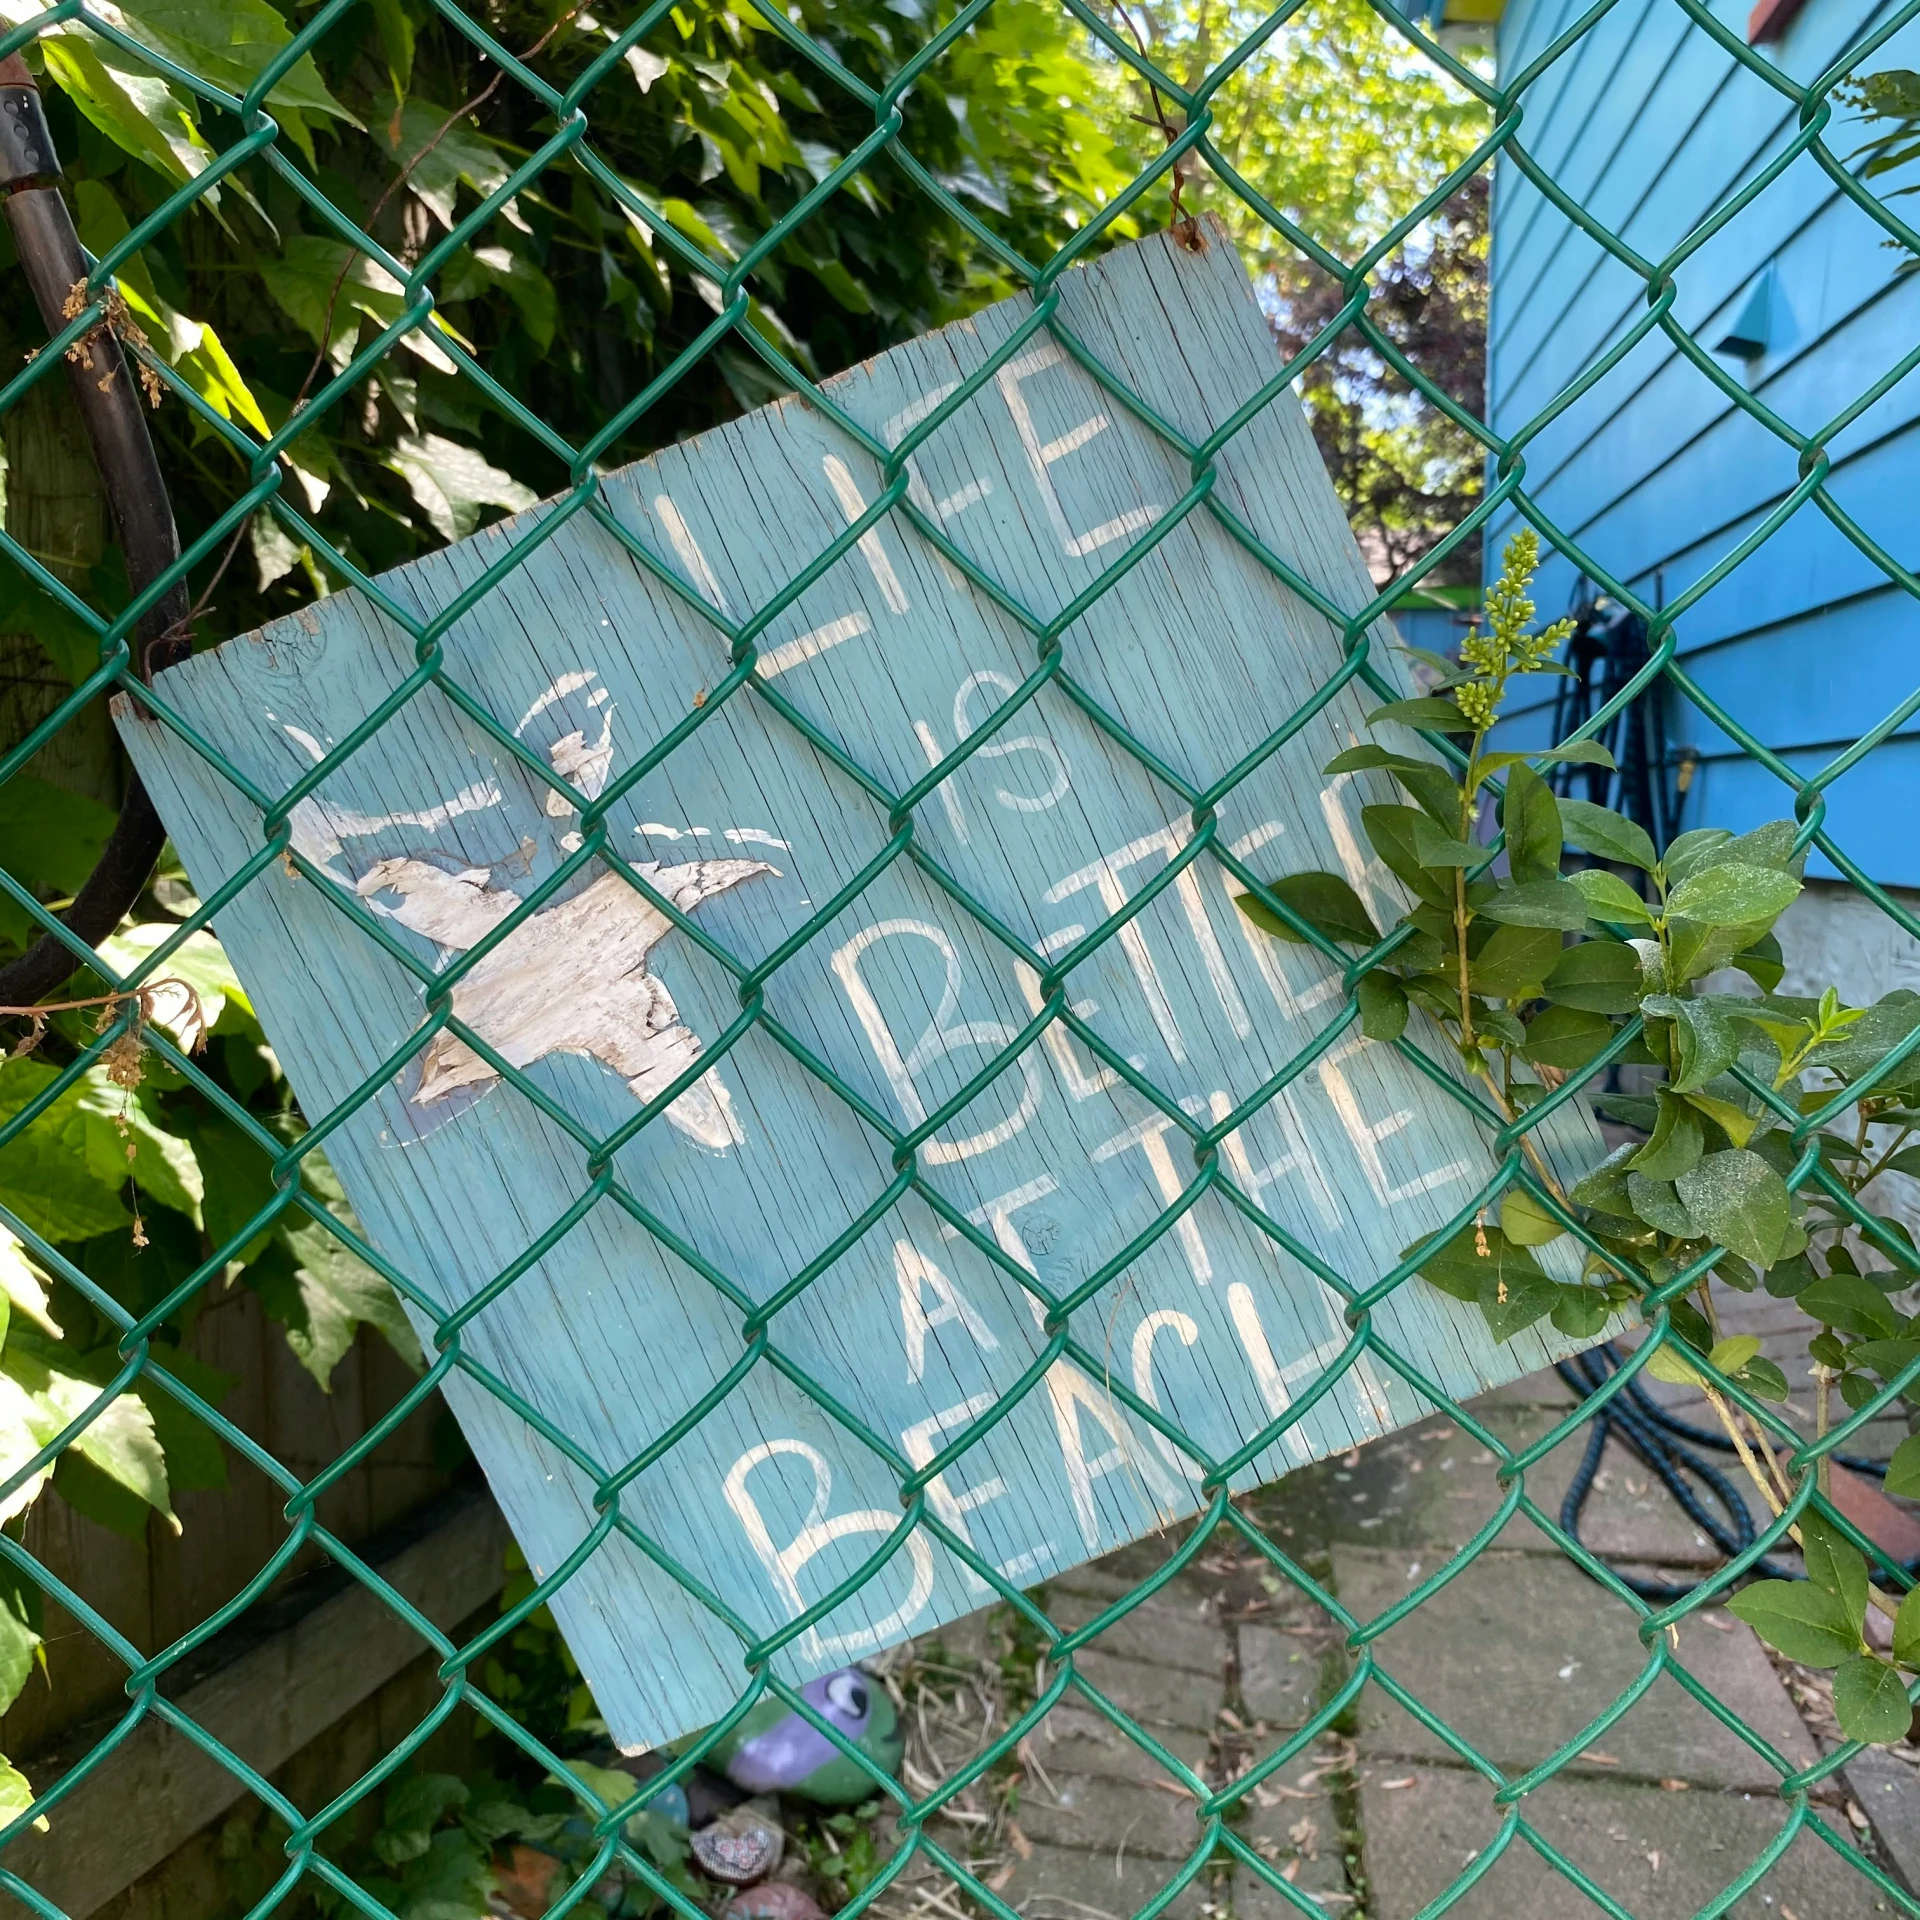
{"type": "Point", "coordinates": [759, 1168]}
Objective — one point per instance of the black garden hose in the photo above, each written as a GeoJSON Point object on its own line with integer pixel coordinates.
{"type": "Point", "coordinates": [114, 413]}
{"type": "Point", "coordinates": [1669, 1448]}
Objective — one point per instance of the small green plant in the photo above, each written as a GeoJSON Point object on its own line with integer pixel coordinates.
{"type": "Point", "coordinates": [1540, 973]}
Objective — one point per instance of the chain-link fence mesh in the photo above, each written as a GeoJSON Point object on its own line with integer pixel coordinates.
{"type": "Point", "coordinates": [258, 147]}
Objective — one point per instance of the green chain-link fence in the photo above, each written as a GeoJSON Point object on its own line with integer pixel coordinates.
{"type": "Point", "coordinates": [259, 144]}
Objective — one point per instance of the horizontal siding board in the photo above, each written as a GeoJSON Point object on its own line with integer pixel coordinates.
{"type": "Point", "coordinates": [1656, 474]}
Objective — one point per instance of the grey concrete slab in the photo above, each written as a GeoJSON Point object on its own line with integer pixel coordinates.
{"type": "Point", "coordinates": [1661, 1855]}
{"type": "Point", "coordinates": [1888, 1791]}
{"type": "Point", "coordinates": [1076, 1739]}
{"type": "Point", "coordinates": [1280, 1672]}
{"type": "Point", "coordinates": [1519, 1653]}
{"type": "Point", "coordinates": [1177, 1626]}
{"type": "Point", "coordinates": [1157, 1696]}
{"type": "Point", "coordinates": [1112, 1883]}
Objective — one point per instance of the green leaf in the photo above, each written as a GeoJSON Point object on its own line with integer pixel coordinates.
{"type": "Point", "coordinates": [1658, 1203]}
{"type": "Point", "coordinates": [1458, 1266]}
{"type": "Point", "coordinates": [238, 1180]}
{"type": "Point", "coordinates": [1686, 850]}
{"type": "Point", "coordinates": [1429, 711]}
{"type": "Point", "coordinates": [1763, 963]}
{"type": "Point", "coordinates": [1514, 962]}
{"type": "Point", "coordinates": [1854, 1305]}
{"type": "Point", "coordinates": [1803, 1621]}
{"type": "Point", "coordinates": [1670, 1364]}
{"type": "Point", "coordinates": [1582, 1312]}
{"type": "Point", "coordinates": [1903, 1472]}
{"type": "Point", "coordinates": [1324, 900]}
{"type": "Point", "coordinates": [62, 1176]}
{"type": "Point", "coordinates": [1566, 1038]}
{"type": "Point", "coordinates": [231, 43]}
{"type": "Point", "coordinates": [1537, 903]}
{"type": "Point", "coordinates": [199, 961]}
{"type": "Point", "coordinates": [1605, 1188]}
{"type": "Point", "coordinates": [1511, 1304]}
{"type": "Point", "coordinates": [1677, 1142]}
{"type": "Point", "coordinates": [1525, 1222]}
{"type": "Point", "coordinates": [1608, 897]}
{"type": "Point", "coordinates": [1597, 976]}
{"type": "Point", "coordinates": [1739, 1201]}
{"type": "Point", "coordinates": [1870, 1700]}
{"type": "Point", "coordinates": [1430, 784]}
{"type": "Point", "coordinates": [1860, 1047]}
{"type": "Point", "coordinates": [1734, 895]}
{"type": "Point", "coordinates": [1734, 1121]}
{"type": "Point", "coordinates": [1607, 835]}
{"type": "Point", "coordinates": [323, 1292]}
{"type": "Point", "coordinates": [19, 1643]}
{"type": "Point", "coordinates": [1833, 1562]}
{"type": "Point", "coordinates": [1531, 818]}
{"type": "Point", "coordinates": [118, 1444]}
{"type": "Point", "coordinates": [50, 838]}
{"type": "Point", "coordinates": [396, 40]}
{"type": "Point", "coordinates": [137, 111]}
{"type": "Point", "coordinates": [452, 484]}
{"type": "Point", "coordinates": [1576, 753]}
{"type": "Point", "coordinates": [16, 1795]}
{"type": "Point", "coordinates": [1764, 1380]}
{"type": "Point", "coordinates": [1708, 1040]}
{"type": "Point", "coordinates": [1390, 831]}
{"type": "Point", "coordinates": [1436, 846]}
{"type": "Point", "coordinates": [1906, 1623]}
{"type": "Point", "coordinates": [1383, 1005]}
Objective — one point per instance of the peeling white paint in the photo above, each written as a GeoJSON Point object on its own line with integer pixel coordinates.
{"type": "Point", "coordinates": [571, 979]}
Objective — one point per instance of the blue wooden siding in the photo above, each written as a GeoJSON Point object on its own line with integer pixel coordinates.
{"type": "Point", "coordinates": [1652, 128]}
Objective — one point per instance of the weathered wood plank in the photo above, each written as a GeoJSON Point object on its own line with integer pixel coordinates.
{"type": "Point", "coordinates": [158, 1788]}
{"type": "Point", "coordinates": [905, 994]}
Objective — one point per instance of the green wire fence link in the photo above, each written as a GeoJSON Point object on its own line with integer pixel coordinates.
{"type": "Point", "coordinates": [1192, 157]}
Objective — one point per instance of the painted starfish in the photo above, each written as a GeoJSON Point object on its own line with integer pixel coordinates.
{"type": "Point", "coordinates": [571, 979]}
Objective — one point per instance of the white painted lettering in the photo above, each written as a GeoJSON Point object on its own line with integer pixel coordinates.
{"type": "Point", "coordinates": [687, 548]}
{"type": "Point", "coordinates": [1041, 455]}
{"type": "Point", "coordinates": [920, 1442]}
{"type": "Point", "coordinates": [913, 1271]}
{"type": "Point", "coordinates": [1082, 1082]}
{"type": "Point", "coordinates": [1150, 1137]}
{"type": "Point", "coordinates": [816, 1534]}
{"type": "Point", "coordinates": [1366, 1135]}
{"type": "Point", "coordinates": [847, 491]}
{"type": "Point", "coordinates": [947, 1034]}
{"type": "Point", "coordinates": [1182, 1327]}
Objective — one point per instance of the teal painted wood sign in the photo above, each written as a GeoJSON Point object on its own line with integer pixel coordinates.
{"type": "Point", "coordinates": [887, 970]}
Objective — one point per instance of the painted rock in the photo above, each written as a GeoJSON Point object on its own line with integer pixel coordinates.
{"type": "Point", "coordinates": [773, 1750]}
{"type": "Point", "coordinates": [740, 1848]}
{"type": "Point", "coordinates": [777, 1900]}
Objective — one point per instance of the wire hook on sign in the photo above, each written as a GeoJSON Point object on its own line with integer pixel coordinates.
{"type": "Point", "coordinates": [111, 407]}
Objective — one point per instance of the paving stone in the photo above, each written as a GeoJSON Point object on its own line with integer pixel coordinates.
{"type": "Point", "coordinates": [1300, 1837]}
{"type": "Point", "coordinates": [1093, 1813]}
{"type": "Point", "coordinates": [1434, 1487]}
{"type": "Point", "coordinates": [1157, 1696]}
{"type": "Point", "coordinates": [1280, 1673]}
{"type": "Point", "coordinates": [1660, 1855]}
{"type": "Point", "coordinates": [1062, 1883]}
{"type": "Point", "coordinates": [1519, 1653]}
{"type": "Point", "coordinates": [1075, 1738]}
{"type": "Point", "coordinates": [1176, 1626]}
{"type": "Point", "coordinates": [1888, 1791]}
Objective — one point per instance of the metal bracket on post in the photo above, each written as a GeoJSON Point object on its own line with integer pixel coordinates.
{"type": "Point", "coordinates": [110, 405]}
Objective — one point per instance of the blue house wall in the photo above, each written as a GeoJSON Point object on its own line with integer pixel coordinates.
{"type": "Point", "coordinates": [1653, 128]}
